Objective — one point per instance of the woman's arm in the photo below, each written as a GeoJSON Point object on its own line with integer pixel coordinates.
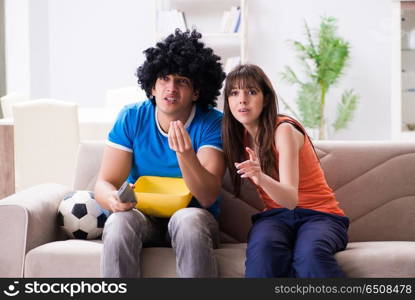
{"type": "Point", "coordinates": [285, 191]}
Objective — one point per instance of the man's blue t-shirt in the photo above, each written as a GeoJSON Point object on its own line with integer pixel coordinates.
{"type": "Point", "coordinates": [137, 130]}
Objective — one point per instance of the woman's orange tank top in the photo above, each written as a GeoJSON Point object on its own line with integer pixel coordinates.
{"type": "Point", "coordinates": [313, 190]}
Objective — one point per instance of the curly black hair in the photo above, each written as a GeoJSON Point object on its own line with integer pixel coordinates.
{"type": "Point", "coordinates": [183, 54]}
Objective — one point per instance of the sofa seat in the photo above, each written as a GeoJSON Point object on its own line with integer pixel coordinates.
{"type": "Point", "coordinates": [67, 258]}
{"type": "Point", "coordinates": [378, 259]}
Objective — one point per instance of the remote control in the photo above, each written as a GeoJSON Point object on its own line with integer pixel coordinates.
{"type": "Point", "coordinates": [126, 193]}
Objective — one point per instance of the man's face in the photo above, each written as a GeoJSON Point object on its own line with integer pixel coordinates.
{"type": "Point", "coordinates": [174, 94]}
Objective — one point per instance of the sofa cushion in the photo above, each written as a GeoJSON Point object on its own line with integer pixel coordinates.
{"type": "Point", "coordinates": [81, 258]}
{"type": "Point", "coordinates": [70, 258]}
{"type": "Point", "coordinates": [378, 259]}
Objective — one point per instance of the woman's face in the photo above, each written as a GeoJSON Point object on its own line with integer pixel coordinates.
{"type": "Point", "coordinates": [246, 104]}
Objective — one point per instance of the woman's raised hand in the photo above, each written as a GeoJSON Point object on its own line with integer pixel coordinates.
{"type": "Point", "coordinates": [250, 168]}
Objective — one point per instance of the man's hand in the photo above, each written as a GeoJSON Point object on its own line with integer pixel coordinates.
{"type": "Point", "coordinates": [116, 204]}
{"type": "Point", "coordinates": [179, 139]}
{"type": "Point", "coordinates": [250, 168]}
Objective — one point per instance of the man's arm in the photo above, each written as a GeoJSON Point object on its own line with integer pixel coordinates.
{"type": "Point", "coordinates": [115, 167]}
{"type": "Point", "coordinates": [202, 172]}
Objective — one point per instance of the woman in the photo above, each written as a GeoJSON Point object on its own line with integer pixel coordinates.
{"type": "Point", "coordinates": [302, 226]}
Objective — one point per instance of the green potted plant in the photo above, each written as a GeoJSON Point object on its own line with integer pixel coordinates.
{"type": "Point", "coordinates": [323, 58]}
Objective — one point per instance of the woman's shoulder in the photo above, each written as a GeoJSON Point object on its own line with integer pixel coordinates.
{"type": "Point", "coordinates": [287, 121]}
{"type": "Point", "coordinates": [281, 118]}
{"type": "Point", "coordinates": [289, 130]}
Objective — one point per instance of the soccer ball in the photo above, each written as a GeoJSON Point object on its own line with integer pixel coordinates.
{"type": "Point", "coordinates": [80, 216]}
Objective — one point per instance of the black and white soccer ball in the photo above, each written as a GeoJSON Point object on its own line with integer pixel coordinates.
{"type": "Point", "coordinates": [80, 216]}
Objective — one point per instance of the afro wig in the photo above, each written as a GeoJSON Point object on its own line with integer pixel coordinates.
{"type": "Point", "coordinates": [183, 54]}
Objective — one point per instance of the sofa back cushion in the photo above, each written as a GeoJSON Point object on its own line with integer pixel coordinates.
{"type": "Point", "coordinates": [374, 183]}
{"type": "Point", "coordinates": [88, 164]}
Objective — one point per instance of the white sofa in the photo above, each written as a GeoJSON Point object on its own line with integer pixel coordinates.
{"type": "Point", "coordinates": [373, 181]}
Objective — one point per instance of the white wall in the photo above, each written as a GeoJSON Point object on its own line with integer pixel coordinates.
{"type": "Point", "coordinates": [97, 44]}
{"type": "Point", "coordinates": [17, 46]}
{"type": "Point", "coordinates": [365, 24]}
{"type": "Point", "coordinates": [39, 42]}
{"type": "Point", "coordinates": [75, 50]}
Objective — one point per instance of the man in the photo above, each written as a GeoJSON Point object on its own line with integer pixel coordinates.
{"type": "Point", "coordinates": [176, 133]}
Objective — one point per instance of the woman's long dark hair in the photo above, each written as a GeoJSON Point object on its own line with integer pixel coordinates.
{"type": "Point", "coordinates": [250, 76]}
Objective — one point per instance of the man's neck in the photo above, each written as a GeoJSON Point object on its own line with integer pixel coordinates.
{"type": "Point", "coordinates": [164, 120]}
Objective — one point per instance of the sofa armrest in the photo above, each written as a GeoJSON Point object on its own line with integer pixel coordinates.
{"type": "Point", "coordinates": [27, 220]}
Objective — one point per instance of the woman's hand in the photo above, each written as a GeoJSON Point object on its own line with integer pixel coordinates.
{"type": "Point", "coordinates": [179, 139]}
{"type": "Point", "coordinates": [250, 168]}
